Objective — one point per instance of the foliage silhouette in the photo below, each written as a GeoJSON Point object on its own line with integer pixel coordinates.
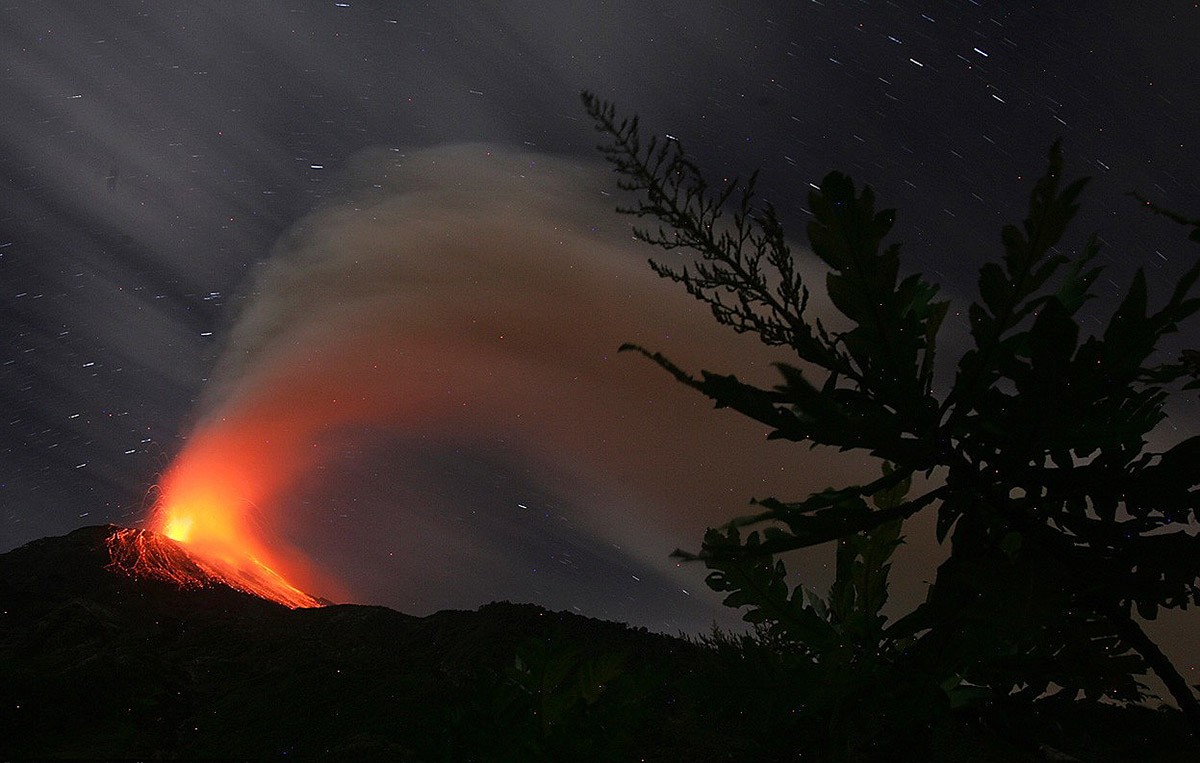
{"type": "Point", "coordinates": [1034, 459]}
{"type": "Point", "coordinates": [558, 699]}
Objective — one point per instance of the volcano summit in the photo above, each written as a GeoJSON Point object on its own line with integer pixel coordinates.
{"type": "Point", "coordinates": [150, 555]}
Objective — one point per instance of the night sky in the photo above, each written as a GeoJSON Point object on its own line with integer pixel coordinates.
{"type": "Point", "coordinates": [377, 237]}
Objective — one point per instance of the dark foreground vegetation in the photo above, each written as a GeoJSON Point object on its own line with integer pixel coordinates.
{"type": "Point", "coordinates": [1063, 530]}
{"type": "Point", "coordinates": [94, 664]}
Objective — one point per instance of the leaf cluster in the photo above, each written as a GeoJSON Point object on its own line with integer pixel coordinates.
{"type": "Point", "coordinates": [1035, 459]}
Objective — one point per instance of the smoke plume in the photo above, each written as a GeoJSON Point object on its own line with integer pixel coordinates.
{"type": "Point", "coordinates": [476, 294]}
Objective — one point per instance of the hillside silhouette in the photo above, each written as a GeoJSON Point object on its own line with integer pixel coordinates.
{"type": "Point", "coordinates": [96, 663]}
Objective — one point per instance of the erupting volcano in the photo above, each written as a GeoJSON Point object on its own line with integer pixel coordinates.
{"type": "Point", "coordinates": [463, 297]}
{"type": "Point", "coordinates": [203, 528]}
{"type": "Point", "coordinates": [218, 540]}
{"type": "Point", "coordinates": [177, 554]}
{"type": "Point", "coordinates": [147, 554]}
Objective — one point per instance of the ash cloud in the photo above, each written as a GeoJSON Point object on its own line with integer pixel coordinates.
{"type": "Point", "coordinates": [474, 296]}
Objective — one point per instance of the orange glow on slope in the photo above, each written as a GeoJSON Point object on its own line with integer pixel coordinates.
{"type": "Point", "coordinates": [145, 554]}
{"type": "Point", "coordinates": [207, 505]}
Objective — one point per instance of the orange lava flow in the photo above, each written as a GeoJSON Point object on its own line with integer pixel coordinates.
{"type": "Point", "coordinates": [144, 554]}
{"type": "Point", "coordinates": [207, 505]}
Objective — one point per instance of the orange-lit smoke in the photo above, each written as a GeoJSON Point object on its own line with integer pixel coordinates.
{"type": "Point", "coordinates": [208, 501]}
{"type": "Point", "coordinates": [484, 291]}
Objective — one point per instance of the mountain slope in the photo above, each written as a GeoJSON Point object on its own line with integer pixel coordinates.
{"type": "Point", "coordinates": [96, 663]}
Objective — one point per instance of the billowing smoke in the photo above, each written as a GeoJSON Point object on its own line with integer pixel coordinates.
{"type": "Point", "coordinates": [474, 297]}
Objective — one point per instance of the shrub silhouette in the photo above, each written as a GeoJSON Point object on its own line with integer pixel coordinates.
{"type": "Point", "coordinates": [1061, 524]}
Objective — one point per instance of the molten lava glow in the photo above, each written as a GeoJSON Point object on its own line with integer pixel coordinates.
{"type": "Point", "coordinates": [178, 528]}
{"type": "Point", "coordinates": [208, 505]}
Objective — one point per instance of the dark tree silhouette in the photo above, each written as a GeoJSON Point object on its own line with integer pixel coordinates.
{"type": "Point", "coordinates": [1061, 524]}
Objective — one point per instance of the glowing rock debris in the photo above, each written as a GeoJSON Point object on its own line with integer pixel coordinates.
{"type": "Point", "coordinates": [151, 555]}
{"type": "Point", "coordinates": [203, 532]}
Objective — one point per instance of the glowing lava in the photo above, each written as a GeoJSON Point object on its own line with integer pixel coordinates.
{"type": "Point", "coordinates": [207, 506]}
{"type": "Point", "coordinates": [145, 554]}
